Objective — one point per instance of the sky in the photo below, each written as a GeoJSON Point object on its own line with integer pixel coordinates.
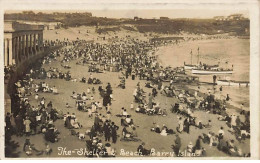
{"type": "Point", "coordinates": [156, 13]}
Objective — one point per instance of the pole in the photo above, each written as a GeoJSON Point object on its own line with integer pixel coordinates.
{"type": "Point", "coordinates": [191, 56]}
{"type": "Point", "coordinates": [198, 55]}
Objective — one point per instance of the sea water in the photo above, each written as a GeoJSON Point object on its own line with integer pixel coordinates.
{"type": "Point", "coordinates": [225, 52]}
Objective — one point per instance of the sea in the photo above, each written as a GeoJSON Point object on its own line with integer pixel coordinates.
{"type": "Point", "coordinates": [227, 53]}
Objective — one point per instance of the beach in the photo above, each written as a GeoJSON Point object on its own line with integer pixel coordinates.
{"type": "Point", "coordinates": [172, 55]}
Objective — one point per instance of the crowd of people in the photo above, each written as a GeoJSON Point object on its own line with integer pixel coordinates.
{"type": "Point", "coordinates": [132, 58]}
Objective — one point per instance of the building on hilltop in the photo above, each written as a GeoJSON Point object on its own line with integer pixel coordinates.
{"type": "Point", "coordinates": [164, 18]}
{"type": "Point", "coordinates": [235, 17]}
{"type": "Point", "coordinates": [47, 25]}
{"type": "Point", "coordinates": [220, 18]}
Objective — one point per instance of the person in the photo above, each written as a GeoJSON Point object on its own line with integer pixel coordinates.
{"type": "Point", "coordinates": [28, 148]}
{"type": "Point", "coordinates": [8, 121]}
{"type": "Point", "coordinates": [198, 144]}
{"type": "Point", "coordinates": [227, 98]}
{"type": "Point", "coordinates": [110, 152]}
{"type": "Point", "coordinates": [114, 129]}
{"type": "Point", "coordinates": [27, 124]}
{"type": "Point", "coordinates": [233, 121]}
{"type": "Point", "coordinates": [19, 125]}
{"type": "Point", "coordinates": [157, 129]}
{"type": "Point", "coordinates": [221, 88]}
{"type": "Point", "coordinates": [50, 134]}
{"type": "Point", "coordinates": [93, 90]}
{"type": "Point", "coordinates": [36, 97]}
{"type": "Point", "coordinates": [195, 93]}
{"type": "Point", "coordinates": [55, 90]}
{"type": "Point", "coordinates": [164, 131]}
{"type": "Point", "coordinates": [190, 148]}
{"type": "Point", "coordinates": [187, 125]}
{"type": "Point", "coordinates": [177, 145]}
{"type": "Point", "coordinates": [88, 90]}
{"type": "Point", "coordinates": [124, 113]}
{"type": "Point", "coordinates": [154, 92]}
{"type": "Point", "coordinates": [133, 75]}
{"type": "Point", "coordinates": [221, 133]}
{"type": "Point", "coordinates": [132, 106]}
{"type": "Point", "coordinates": [107, 131]}
{"type": "Point", "coordinates": [48, 150]}
{"type": "Point", "coordinates": [180, 127]}
{"type": "Point", "coordinates": [128, 120]}
{"type": "Point", "coordinates": [141, 150]}
{"type": "Point", "coordinates": [214, 79]}
{"type": "Point", "coordinates": [238, 121]}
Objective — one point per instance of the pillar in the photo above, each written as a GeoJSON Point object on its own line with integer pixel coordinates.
{"type": "Point", "coordinates": [23, 46]}
{"type": "Point", "coordinates": [26, 45]}
{"type": "Point", "coordinates": [40, 40]}
{"type": "Point", "coordinates": [37, 42]}
{"type": "Point", "coordinates": [18, 48]}
{"type": "Point", "coordinates": [34, 43]}
{"type": "Point", "coordinates": [5, 53]}
{"type": "Point", "coordinates": [14, 50]}
{"type": "Point", "coordinates": [10, 55]}
{"type": "Point", "coordinates": [30, 49]}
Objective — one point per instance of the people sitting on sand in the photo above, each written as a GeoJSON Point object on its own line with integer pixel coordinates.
{"type": "Point", "coordinates": [29, 148]}
{"type": "Point", "coordinates": [164, 131]}
{"type": "Point", "coordinates": [51, 134]}
{"type": "Point", "coordinates": [149, 85]}
{"type": "Point", "coordinates": [127, 121]}
{"type": "Point", "coordinates": [83, 80]}
{"type": "Point", "coordinates": [94, 81]}
{"type": "Point", "coordinates": [55, 90]}
{"type": "Point", "coordinates": [122, 83]}
{"type": "Point", "coordinates": [84, 96]}
{"type": "Point", "coordinates": [142, 151]}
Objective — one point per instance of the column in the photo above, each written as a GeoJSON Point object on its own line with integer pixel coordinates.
{"type": "Point", "coordinates": [10, 51]}
{"type": "Point", "coordinates": [37, 42]}
{"type": "Point", "coordinates": [19, 48]}
{"type": "Point", "coordinates": [34, 43]}
{"type": "Point", "coordinates": [14, 50]}
{"type": "Point", "coordinates": [26, 46]}
{"type": "Point", "coordinates": [17, 51]}
{"type": "Point", "coordinates": [23, 46]}
{"type": "Point", "coordinates": [40, 40]}
{"type": "Point", "coordinates": [5, 53]}
{"type": "Point", "coordinates": [30, 45]}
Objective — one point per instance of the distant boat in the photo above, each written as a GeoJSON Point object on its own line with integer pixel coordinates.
{"type": "Point", "coordinates": [211, 71]}
{"type": "Point", "coordinates": [233, 83]}
{"type": "Point", "coordinates": [190, 67]}
{"type": "Point", "coordinates": [199, 65]}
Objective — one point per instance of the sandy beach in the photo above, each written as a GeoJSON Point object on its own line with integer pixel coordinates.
{"type": "Point", "coordinates": [173, 55]}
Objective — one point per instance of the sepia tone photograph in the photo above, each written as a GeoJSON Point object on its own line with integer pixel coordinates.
{"type": "Point", "coordinates": [127, 83]}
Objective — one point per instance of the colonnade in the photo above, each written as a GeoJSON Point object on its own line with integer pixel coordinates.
{"type": "Point", "coordinates": [22, 45]}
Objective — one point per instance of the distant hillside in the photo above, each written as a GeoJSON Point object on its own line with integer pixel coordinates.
{"type": "Point", "coordinates": [163, 26]}
{"type": "Point", "coordinates": [195, 26]}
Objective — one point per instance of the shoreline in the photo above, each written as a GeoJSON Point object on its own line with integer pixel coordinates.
{"type": "Point", "coordinates": [233, 105]}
